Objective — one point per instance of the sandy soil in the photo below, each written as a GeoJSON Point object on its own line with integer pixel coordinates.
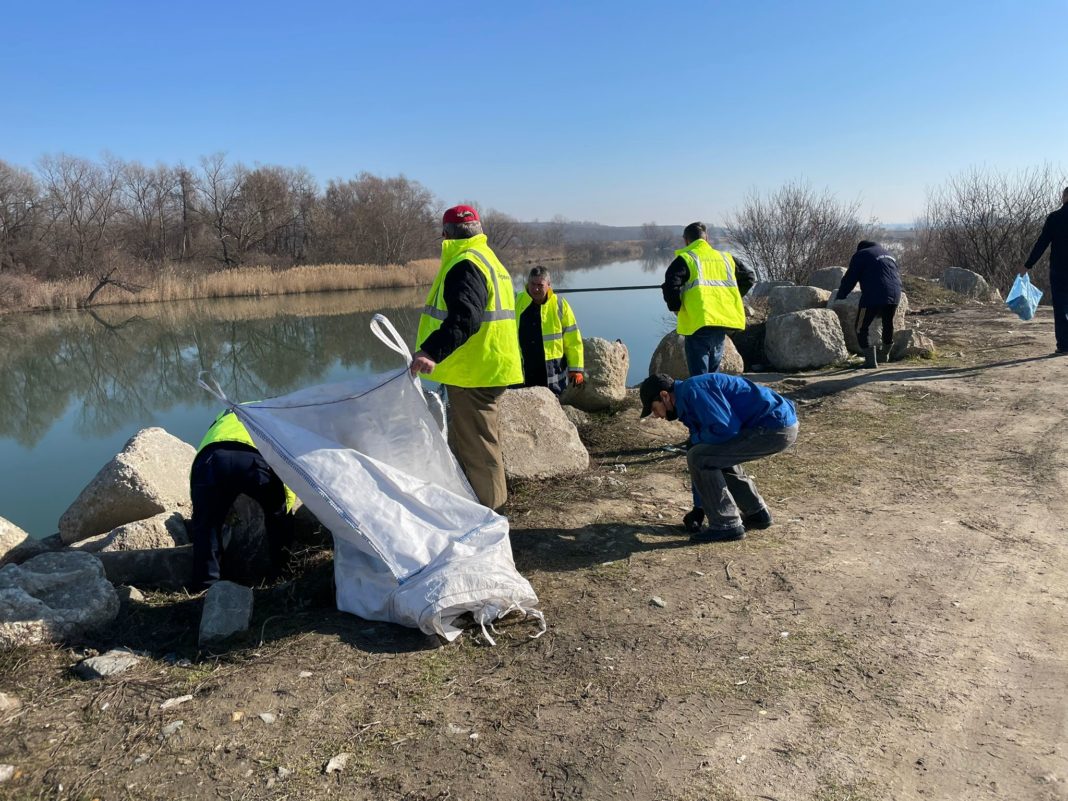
{"type": "Point", "coordinates": [898, 633]}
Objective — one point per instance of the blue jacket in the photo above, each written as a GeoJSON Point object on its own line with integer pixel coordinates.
{"type": "Point", "coordinates": [716, 407]}
{"type": "Point", "coordinates": [876, 272]}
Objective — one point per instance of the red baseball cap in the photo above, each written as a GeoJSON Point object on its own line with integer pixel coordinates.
{"type": "Point", "coordinates": [459, 214]}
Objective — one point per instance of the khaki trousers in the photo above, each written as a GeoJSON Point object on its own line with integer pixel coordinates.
{"type": "Point", "coordinates": [473, 429]}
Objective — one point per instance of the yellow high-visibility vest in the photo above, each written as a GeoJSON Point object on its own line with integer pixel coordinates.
{"type": "Point", "coordinates": [559, 329]}
{"type": "Point", "coordinates": [490, 357]}
{"type": "Point", "coordinates": [710, 295]}
{"type": "Point", "coordinates": [227, 428]}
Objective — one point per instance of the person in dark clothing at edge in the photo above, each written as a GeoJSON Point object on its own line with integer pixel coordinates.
{"type": "Point", "coordinates": [228, 464]}
{"type": "Point", "coordinates": [731, 420]}
{"type": "Point", "coordinates": [549, 336]}
{"type": "Point", "coordinates": [1055, 236]}
{"type": "Point", "coordinates": [704, 287]}
{"type": "Point", "coordinates": [468, 341]}
{"type": "Point", "coordinates": [880, 292]}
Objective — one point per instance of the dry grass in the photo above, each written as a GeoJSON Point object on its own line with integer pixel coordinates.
{"type": "Point", "coordinates": [23, 293]}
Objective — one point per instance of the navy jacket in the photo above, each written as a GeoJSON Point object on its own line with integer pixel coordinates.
{"type": "Point", "coordinates": [716, 407]}
{"type": "Point", "coordinates": [876, 272]}
{"type": "Point", "coordinates": [1054, 236]}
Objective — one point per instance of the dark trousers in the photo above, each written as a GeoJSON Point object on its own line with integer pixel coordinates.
{"type": "Point", "coordinates": [866, 316]}
{"type": "Point", "coordinates": [220, 473]}
{"type": "Point", "coordinates": [1058, 295]}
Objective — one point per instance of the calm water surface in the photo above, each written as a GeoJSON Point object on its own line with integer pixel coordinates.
{"type": "Point", "coordinates": [74, 387]}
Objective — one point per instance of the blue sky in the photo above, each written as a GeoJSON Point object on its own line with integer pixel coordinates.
{"type": "Point", "coordinates": [617, 112]}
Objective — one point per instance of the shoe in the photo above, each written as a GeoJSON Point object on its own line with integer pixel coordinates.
{"type": "Point", "coordinates": [758, 520]}
{"type": "Point", "coordinates": [693, 519]}
{"type": "Point", "coordinates": [719, 534]}
{"type": "Point", "coordinates": [883, 353]}
{"type": "Point", "coordinates": [871, 358]}
{"type": "Point", "coordinates": [1059, 352]}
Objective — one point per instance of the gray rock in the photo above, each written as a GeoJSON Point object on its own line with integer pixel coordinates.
{"type": "Point", "coordinates": [165, 530]}
{"type": "Point", "coordinates": [965, 282]}
{"type": "Point", "coordinates": [161, 568]}
{"type": "Point", "coordinates": [116, 661]}
{"type": "Point", "coordinates": [670, 357]}
{"type": "Point", "coordinates": [576, 416]}
{"type": "Point", "coordinates": [54, 596]}
{"type": "Point", "coordinates": [786, 299]}
{"type": "Point", "coordinates": [606, 376]}
{"type": "Point", "coordinates": [910, 343]}
{"type": "Point", "coordinates": [30, 548]}
{"type": "Point", "coordinates": [761, 289]}
{"type": "Point", "coordinates": [150, 475]}
{"type": "Point", "coordinates": [7, 772]}
{"type": "Point", "coordinates": [11, 537]}
{"type": "Point", "coordinates": [847, 309]}
{"type": "Point", "coordinates": [805, 339]}
{"type": "Point", "coordinates": [537, 439]}
{"type": "Point", "coordinates": [227, 611]}
{"type": "Point", "coordinates": [829, 278]}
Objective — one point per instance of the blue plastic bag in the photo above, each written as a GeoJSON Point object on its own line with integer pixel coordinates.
{"type": "Point", "coordinates": [1024, 297]}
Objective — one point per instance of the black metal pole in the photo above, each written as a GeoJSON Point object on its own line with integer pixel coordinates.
{"type": "Point", "coordinates": [606, 288]}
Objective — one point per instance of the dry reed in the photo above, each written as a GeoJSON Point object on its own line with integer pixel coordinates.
{"type": "Point", "coordinates": [22, 293]}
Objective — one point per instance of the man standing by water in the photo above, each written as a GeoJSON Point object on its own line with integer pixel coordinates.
{"type": "Point", "coordinates": [1055, 236]}
{"type": "Point", "coordinates": [467, 340]}
{"type": "Point", "coordinates": [880, 292]}
{"type": "Point", "coordinates": [549, 336]}
{"type": "Point", "coordinates": [704, 287]}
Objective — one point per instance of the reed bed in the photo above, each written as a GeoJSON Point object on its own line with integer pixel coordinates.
{"type": "Point", "coordinates": [24, 293]}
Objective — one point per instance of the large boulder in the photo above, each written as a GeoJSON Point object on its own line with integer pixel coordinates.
{"type": "Point", "coordinates": [805, 339]}
{"type": "Point", "coordinates": [847, 309]}
{"type": "Point", "coordinates": [158, 568]}
{"type": "Point", "coordinates": [54, 596]}
{"type": "Point", "coordinates": [11, 537]}
{"type": "Point", "coordinates": [670, 357]}
{"type": "Point", "coordinates": [910, 343]}
{"type": "Point", "coordinates": [829, 278]}
{"type": "Point", "coordinates": [761, 289]}
{"type": "Point", "coordinates": [150, 475]}
{"type": "Point", "coordinates": [537, 438]}
{"type": "Point", "coordinates": [605, 386]}
{"type": "Point", "coordinates": [165, 530]}
{"type": "Point", "coordinates": [965, 282]}
{"type": "Point", "coordinates": [786, 299]}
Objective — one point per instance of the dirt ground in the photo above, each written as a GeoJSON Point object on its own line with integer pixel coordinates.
{"type": "Point", "coordinates": [898, 633]}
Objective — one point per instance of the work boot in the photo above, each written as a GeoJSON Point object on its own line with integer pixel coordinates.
{"type": "Point", "coordinates": [719, 534]}
{"type": "Point", "coordinates": [758, 520]}
{"type": "Point", "coordinates": [871, 357]}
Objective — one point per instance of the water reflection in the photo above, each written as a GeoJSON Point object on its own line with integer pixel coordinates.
{"type": "Point", "coordinates": [120, 365]}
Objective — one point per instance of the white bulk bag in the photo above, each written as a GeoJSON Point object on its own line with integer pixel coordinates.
{"type": "Point", "coordinates": [412, 545]}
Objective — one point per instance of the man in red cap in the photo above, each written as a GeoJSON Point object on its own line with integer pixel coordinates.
{"type": "Point", "coordinates": [468, 341]}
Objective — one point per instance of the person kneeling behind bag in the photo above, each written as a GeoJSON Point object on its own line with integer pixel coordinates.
{"type": "Point", "coordinates": [731, 420]}
{"type": "Point", "coordinates": [227, 465]}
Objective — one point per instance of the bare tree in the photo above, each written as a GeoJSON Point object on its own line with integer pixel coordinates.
{"type": "Point", "coordinates": [656, 238]}
{"type": "Point", "coordinates": [794, 231]}
{"type": "Point", "coordinates": [986, 221]}
{"type": "Point", "coordinates": [19, 217]}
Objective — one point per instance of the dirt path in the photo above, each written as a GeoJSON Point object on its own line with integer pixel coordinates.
{"type": "Point", "coordinates": [899, 633]}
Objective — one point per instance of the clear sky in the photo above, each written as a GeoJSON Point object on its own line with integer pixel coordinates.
{"type": "Point", "coordinates": [617, 112]}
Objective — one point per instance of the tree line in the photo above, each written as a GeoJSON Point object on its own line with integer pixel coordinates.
{"type": "Point", "coordinates": [72, 216]}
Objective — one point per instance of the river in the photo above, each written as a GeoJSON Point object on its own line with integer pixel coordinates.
{"type": "Point", "coordinates": [75, 386]}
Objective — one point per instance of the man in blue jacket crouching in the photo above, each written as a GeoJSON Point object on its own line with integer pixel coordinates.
{"type": "Point", "coordinates": [731, 421]}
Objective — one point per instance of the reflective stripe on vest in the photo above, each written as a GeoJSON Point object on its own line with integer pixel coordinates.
{"type": "Point", "coordinates": [710, 295]}
{"type": "Point", "coordinates": [489, 357]}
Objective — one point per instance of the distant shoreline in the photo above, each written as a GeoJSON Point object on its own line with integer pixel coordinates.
{"type": "Point", "coordinates": [20, 293]}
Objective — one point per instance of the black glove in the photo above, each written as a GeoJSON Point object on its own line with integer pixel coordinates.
{"type": "Point", "coordinates": [693, 519]}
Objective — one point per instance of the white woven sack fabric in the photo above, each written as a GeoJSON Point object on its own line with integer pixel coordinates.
{"type": "Point", "coordinates": [412, 545]}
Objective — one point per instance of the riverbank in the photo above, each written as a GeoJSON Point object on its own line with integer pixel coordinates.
{"type": "Point", "coordinates": [864, 647]}
{"type": "Point", "coordinates": [21, 293]}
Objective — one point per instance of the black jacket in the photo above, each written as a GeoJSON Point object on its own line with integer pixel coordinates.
{"type": "Point", "coordinates": [465, 294]}
{"type": "Point", "coordinates": [1055, 236]}
{"type": "Point", "coordinates": [679, 271]}
{"type": "Point", "coordinates": [876, 272]}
